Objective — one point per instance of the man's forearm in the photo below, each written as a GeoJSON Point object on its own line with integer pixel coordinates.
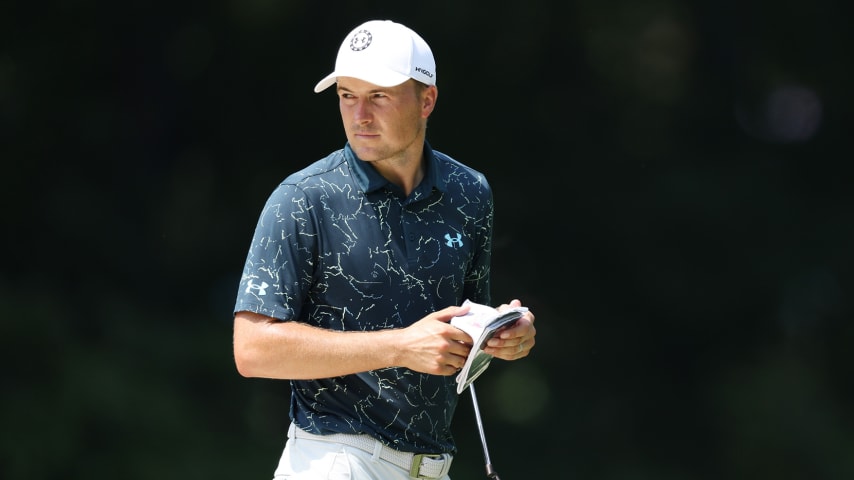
{"type": "Point", "coordinates": [267, 348]}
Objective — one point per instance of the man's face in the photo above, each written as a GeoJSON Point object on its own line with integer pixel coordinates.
{"type": "Point", "coordinates": [384, 122]}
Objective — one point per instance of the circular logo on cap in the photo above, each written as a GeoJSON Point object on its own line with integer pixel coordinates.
{"type": "Point", "coordinates": [360, 41]}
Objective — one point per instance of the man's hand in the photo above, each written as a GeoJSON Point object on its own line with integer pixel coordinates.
{"type": "Point", "coordinates": [517, 341]}
{"type": "Point", "coordinates": [431, 345]}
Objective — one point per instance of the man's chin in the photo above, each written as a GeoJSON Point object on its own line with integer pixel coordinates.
{"type": "Point", "coordinates": [366, 154]}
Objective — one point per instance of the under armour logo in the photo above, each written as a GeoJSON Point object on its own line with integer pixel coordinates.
{"type": "Point", "coordinates": [454, 242]}
{"type": "Point", "coordinates": [361, 40]}
{"type": "Point", "coordinates": [262, 289]}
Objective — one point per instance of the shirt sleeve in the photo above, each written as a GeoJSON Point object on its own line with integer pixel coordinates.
{"type": "Point", "coordinates": [279, 266]}
{"type": "Point", "coordinates": [477, 283]}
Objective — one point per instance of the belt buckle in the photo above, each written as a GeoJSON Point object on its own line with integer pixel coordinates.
{"type": "Point", "coordinates": [415, 467]}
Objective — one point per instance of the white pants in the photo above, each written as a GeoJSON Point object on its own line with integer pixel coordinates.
{"type": "Point", "coordinates": [305, 459]}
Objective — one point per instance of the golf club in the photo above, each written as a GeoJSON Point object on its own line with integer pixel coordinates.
{"type": "Point", "coordinates": [490, 472]}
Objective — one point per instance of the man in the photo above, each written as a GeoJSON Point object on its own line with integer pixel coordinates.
{"type": "Point", "coordinates": [358, 263]}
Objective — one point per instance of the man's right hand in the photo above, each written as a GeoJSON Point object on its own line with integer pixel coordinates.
{"type": "Point", "coordinates": [431, 345]}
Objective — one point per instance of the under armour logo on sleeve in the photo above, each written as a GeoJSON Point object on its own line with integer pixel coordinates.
{"type": "Point", "coordinates": [262, 289]}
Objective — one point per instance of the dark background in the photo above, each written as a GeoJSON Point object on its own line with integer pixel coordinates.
{"type": "Point", "coordinates": [673, 184]}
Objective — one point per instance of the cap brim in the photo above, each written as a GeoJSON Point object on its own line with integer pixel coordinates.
{"type": "Point", "coordinates": [386, 78]}
{"type": "Point", "coordinates": [326, 82]}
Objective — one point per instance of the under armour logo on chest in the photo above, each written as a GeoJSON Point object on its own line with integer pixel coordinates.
{"type": "Point", "coordinates": [454, 242]}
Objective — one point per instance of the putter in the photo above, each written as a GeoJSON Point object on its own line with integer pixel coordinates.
{"type": "Point", "coordinates": [490, 472]}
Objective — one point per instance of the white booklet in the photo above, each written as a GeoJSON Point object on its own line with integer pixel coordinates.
{"type": "Point", "coordinates": [481, 323]}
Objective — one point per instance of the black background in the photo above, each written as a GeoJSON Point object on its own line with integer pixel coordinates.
{"type": "Point", "coordinates": [673, 185]}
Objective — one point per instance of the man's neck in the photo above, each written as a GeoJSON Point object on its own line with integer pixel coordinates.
{"type": "Point", "coordinates": [406, 170]}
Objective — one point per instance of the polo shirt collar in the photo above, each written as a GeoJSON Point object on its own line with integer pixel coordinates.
{"type": "Point", "coordinates": [369, 180]}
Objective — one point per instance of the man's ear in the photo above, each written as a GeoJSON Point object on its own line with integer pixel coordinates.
{"type": "Point", "coordinates": [428, 100]}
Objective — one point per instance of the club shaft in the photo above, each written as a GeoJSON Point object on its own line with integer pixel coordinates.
{"type": "Point", "coordinates": [490, 472]}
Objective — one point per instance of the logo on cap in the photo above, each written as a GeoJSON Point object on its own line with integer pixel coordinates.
{"type": "Point", "coordinates": [360, 41]}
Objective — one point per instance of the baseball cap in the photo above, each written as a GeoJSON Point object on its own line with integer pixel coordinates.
{"type": "Point", "coordinates": [384, 53]}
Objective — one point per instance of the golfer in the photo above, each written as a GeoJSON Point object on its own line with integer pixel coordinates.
{"type": "Point", "coordinates": [357, 264]}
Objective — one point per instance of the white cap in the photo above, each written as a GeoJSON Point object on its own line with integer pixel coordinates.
{"type": "Point", "coordinates": [384, 53]}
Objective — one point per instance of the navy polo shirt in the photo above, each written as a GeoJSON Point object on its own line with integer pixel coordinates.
{"type": "Point", "coordinates": [337, 246]}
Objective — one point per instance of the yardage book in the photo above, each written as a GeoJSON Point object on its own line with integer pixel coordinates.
{"type": "Point", "coordinates": [481, 323]}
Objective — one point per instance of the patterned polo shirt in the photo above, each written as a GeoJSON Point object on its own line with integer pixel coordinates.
{"type": "Point", "coordinates": [339, 247]}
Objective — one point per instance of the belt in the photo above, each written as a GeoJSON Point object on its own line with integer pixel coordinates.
{"type": "Point", "coordinates": [419, 465]}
